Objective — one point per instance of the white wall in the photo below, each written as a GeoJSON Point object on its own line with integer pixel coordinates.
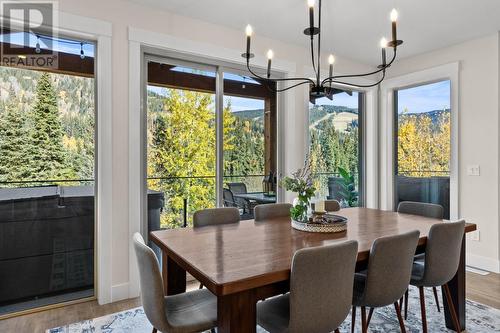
{"type": "Point", "coordinates": [478, 137]}
{"type": "Point", "coordinates": [123, 14]}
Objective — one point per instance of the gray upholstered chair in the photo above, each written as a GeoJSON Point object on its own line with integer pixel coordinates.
{"type": "Point", "coordinates": [427, 210]}
{"type": "Point", "coordinates": [215, 216]}
{"type": "Point", "coordinates": [387, 277]}
{"type": "Point", "coordinates": [320, 292]}
{"type": "Point", "coordinates": [194, 311]}
{"type": "Point", "coordinates": [439, 265]}
{"type": "Point", "coordinates": [271, 211]}
{"type": "Point", "coordinates": [421, 209]}
{"type": "Point", "coordinates": [332, 205]}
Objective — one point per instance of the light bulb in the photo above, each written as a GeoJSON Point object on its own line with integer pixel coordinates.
{"type": "Point", "coordinates": [310, 3]}
{"type": "Point", "coordinates": [383, 43]}
{"type": "Point", "coordinates": [249, 30]}
{"type": "Point", "coordinates": [270, 54]}
{"type": "Point", "coordinates": [331, 59]}
{"type": "Point", "coordinates": [394, 15]}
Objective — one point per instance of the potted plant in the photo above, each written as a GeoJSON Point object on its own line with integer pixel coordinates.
{"type": "Point", "coordinates": [302, 184]}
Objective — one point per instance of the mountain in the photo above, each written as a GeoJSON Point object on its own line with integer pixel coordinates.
{"type": "Point", "coordinates": [435, 115]}
{"type": "Point", "coordinates": [249, 114]}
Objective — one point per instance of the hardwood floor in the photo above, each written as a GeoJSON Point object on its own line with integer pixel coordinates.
{"type": "Point", "coordinates": [482, 289]}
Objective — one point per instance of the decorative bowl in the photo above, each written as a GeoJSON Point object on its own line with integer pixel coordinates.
{"type": "Point", "coordinates": [321, 227]}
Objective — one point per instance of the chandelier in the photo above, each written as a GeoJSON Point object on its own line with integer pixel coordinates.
{"type": "Point", "coordinates": [319, 87]}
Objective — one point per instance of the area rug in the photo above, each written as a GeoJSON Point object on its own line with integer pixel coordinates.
{"type": "Point", "coordinates": [480, 319]}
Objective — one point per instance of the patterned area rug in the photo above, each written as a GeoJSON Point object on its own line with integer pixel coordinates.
{"type": "Point", "coordinates": [480, 319]}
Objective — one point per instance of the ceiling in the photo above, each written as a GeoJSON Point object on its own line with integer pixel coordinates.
{"type": "Point", "coordinates": [351, 28]}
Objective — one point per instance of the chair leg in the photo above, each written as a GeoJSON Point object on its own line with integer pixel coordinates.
{"type": "Point", "coordinates": [369, 316]}
{"type": "Point", "coordinates": [353, 319]}
{"type": "Point", "coordinates": [422, 309]}
{"type": "Point", "coordinates": [406, 304]}
{"type": "Point", "coordinates": [434, 289]}
{"type": "Point", "coordinates": [201, 286]}
{"type": "Point", "coordinates": [337, 331]}
{"type": "Point", "coordinates": [452, 308]}
{"type": "Point", "coordinates": [155, 330]}
{"type": "Point", "coordinates": [212, 330]}
{"type": "Point", "coordinates": [400, 318]}
{"type": "Point", "coordinates": [364, 326]}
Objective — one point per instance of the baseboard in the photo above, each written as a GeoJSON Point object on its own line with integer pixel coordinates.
{"type": "Point", "coordinates": [119, 292]}
{"type": "Point", "coordinates": [484, 263]}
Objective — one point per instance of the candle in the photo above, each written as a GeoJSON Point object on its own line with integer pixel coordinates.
{"type": "Point", "coordinates": [331, 61]}
{"type": "Point", "coordinates": [394, 18]}
{"type": "Point", "coordinates": [248, 31]}
{"type": "Point", "coordinates": [383, 45]}
{"type": "Point", "coordinates": [270, 55]}
{"type": "Point", "coordinates": [311, 15]}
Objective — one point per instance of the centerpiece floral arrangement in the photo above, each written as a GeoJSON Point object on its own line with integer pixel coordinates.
{"type": "Point", "coordinates": [301, 183]}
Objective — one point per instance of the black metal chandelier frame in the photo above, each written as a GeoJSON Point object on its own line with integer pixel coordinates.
{"type": "Point", "coordinates": [318, 87]}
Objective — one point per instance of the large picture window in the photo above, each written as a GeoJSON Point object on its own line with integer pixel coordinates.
{"type": "Point", "coordinates": [335, 147]}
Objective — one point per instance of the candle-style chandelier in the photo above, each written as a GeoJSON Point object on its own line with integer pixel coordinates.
{"type": "Point", "coordinates": [323, 87]}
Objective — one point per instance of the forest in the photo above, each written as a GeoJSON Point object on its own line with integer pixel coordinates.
{"type": "Point", "coordinates": [46, 128]}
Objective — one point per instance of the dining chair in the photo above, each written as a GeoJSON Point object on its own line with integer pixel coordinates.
{"type": "Point", "coordinates": [228, 197]}
{"type": "Point", "coordinates": [240, 188]}
{"type": "Point", "coordinates": [271, 211]}
{"type": "Point", "coordinates": [439, 265]}
{"type": "Point", "coordinates": [319, 300]}
{"type": "Point", "coordinates": [215, 216]}
{"type": "Point", "coordinates": [422, 209]}
{"type": "Point", "coordinates": [387, 276]}
{"type": "Point", "coordinates": [194, 311]}
{"type": "Point", "coordinates": [332, 205]}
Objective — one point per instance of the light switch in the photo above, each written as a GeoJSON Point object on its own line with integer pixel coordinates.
{"type": "Point", "coordinates": [473, 170]}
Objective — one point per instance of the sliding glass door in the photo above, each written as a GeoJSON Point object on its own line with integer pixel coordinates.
{"type": "Point", "coordinates": [191, 139]}
{"type": "Point", "coordinates": [422, 145]}
{"type": "Point", "coordinates": [47, 171]}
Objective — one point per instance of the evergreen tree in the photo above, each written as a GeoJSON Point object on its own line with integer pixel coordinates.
{"type": "Point", "coordinates": [14, 161]}
{"type": "Point", "coordinates": [47, 154]}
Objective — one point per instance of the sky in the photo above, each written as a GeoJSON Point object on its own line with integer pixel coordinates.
{"type": "Point", "coordinates": [429, 97]}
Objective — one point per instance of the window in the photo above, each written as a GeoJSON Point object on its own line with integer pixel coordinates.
{"type": "Point", "coordinates": [423, 144]}
{"type": "Point", "coordinates": [335, 147]}
{"type": "Point", "coordinates": [185, 149]}
{"type": "Point", "coordinates": [47, 178]}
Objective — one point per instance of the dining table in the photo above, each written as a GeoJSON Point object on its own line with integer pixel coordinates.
{"type": "Point", "coordinates": [243, 263]}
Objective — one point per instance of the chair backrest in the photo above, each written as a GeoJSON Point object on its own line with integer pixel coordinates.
{"type": "Point", "coordinates": [228, 197]}
{"type": "Point", "coordinates": [321, 285]}
{"type": "Point", "coordinates": [442, 252]}
{"type": "Point", "coordinates": [421, 208]}
{"type": "Point", "coordinates": [389, 268]}
{"type": "Point", "coordinates": [215, 216]}
{"type": "Point", "coordinates": [237, 188]}
{"type": "Point", "coordinates": [271, 211]}
{"type": "Point", "coordinates": [152, 294]}
{"type": "Point", "coordinates": [332, 205]}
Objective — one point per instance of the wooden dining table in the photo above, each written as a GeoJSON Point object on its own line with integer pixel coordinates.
{"type": "Point", "coordinates": [245, 262]}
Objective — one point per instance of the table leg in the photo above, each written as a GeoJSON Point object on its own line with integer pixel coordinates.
{"type": "Point", "coordinates": [457, 290]}
{"type": "Point", "coordinates": [237, 313]}
{"type": "Point", "coordinates": [174, 277]}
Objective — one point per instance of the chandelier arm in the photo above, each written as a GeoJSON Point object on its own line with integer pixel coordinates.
{"type": "Point", "coordinates": [278, 80]}
{"type": "Point", "coordinates": [332, 79]}
{"type": "Point", "coordinates": [293, 86]}
{"type": "Point", "coordinates": [361, 85]}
